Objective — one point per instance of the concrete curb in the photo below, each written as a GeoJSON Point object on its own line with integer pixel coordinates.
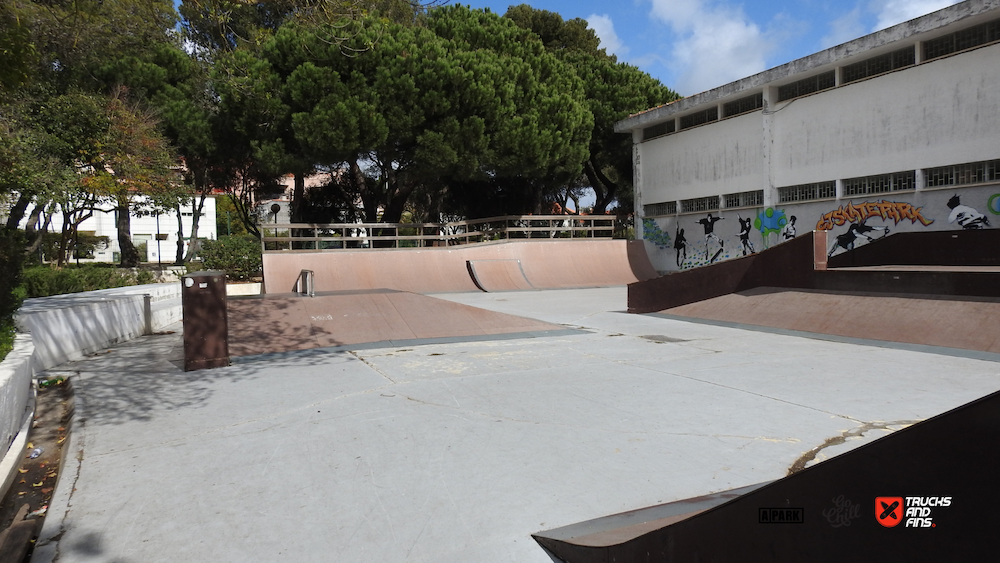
{"type": "Point", "coordinates": [47, 544]}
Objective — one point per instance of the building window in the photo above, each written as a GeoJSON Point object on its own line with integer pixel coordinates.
{"type": "Point", "coordinates": [961, 40]}
{"type": "Point", "coordinates": [745, 199]}
{"type": "Point", "coordinates": [710, 114]}
{"type": "Point", "coordinates": [743, 105]}
{"type": "Point", "coordinates": [880, 184]}
{"type": "Point", "coordinates": [961, 174]}
{"type": "Point", "coordinates": [658, 130]}
{"type": "Point", "coordinates": [700, 204]}
{"type": "Point", "coordinates": [665, 208]}
{"type": "Point", "coordinates": [879, 65]}
{"type": "Point", "coordinates": [807, 86]}
{"type": "Point", "coordinates": [807, 192]}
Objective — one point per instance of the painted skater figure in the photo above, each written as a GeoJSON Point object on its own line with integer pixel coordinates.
{"type": "Point", "coordinates": [788, 232]}
{"type": "Point", "coordinates": [680, 243]}
{"type": "Point", "coordinates": [709, 224]}
{"type": "Point", "coordinates": [967, 217]}
{"type": "Point", "coordinates": [745, 235]}
{"type": "Point", "coordinates": [859, 229]}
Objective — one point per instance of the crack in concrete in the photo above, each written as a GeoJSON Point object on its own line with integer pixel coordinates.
{"type": "Point", "coordinates": [846, 435]}
{"type": "Point", "coordinates": [371, 365]}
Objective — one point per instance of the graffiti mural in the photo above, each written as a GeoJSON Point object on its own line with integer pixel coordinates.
{"type": "Point", "coordinates": [745, 244]}
{"type": "Point", "coordinates": [770, 221]}
{"type": "Point", "coordinates": [708, 223]}
{"type": "Point", "coordinates": [861, 212]}
{"type": "Point", "coordinates": [654, 234]}
{"type": "Point", "coordinates": [854, 232]}
{"type": "Point", "coordinates": [994, 204]}
{"type": "Point", "coordinates": [965, 216]}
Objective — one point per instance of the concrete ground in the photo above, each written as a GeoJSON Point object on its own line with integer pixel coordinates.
{"type": "Point", "coordinates": [458, 452]}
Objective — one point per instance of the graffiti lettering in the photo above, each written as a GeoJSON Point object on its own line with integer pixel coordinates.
{"type": "Point", "coordinates": [885, 209]}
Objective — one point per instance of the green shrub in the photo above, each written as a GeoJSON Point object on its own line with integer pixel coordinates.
{"type": "Point", "coordinates": [237, 255]}
{"type": "Point", "coordinates": [11, 293]}
{"type": "Point", "coordinates": [43, 281]}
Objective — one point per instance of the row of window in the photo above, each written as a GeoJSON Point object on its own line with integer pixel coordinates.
{"type": "Point", "coordinates": [954, 175]}
{"type": "Point", "coordinates": [806, 192]}
{"type": "Point", "coordinates": [705, 204]}
{"type": "Point", "coordinates": [959, 174]}
{"type": "Point", "coordinates": [961, 40]}
{"type": "Point", "coordinates": [935, 48]}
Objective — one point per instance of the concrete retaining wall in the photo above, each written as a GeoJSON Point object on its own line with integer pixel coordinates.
{"type": "Point", "coordinates": [68, 327]}
{"type": "Point", "coordinates": [16, 406]}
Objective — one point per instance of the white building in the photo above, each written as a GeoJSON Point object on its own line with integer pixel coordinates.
{"type": "Point", "coordinates": [159, 233]}
{"type": "Point", "coordinates": [899, 129]}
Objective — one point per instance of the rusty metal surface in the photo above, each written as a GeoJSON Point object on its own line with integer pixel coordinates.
{"type": "Point", "coordinates": [203, 303]}
{"type": "Point", "coordinates": [620, 528]}
{"type": "Point", "coordinates": [963, 323]}
{"type": "Point", "coordinates": [546, 264]}
{"type": "Point", "coordinates": [268, 324]}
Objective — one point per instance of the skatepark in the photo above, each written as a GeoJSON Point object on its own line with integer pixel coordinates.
{"type": "Point", "coordinates": [447, 404]}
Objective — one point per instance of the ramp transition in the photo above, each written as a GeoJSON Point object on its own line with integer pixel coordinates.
{"type": "Point", "coordinates": [543, 264]}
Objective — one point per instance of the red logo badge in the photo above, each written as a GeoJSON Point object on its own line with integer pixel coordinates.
{"type": "Point", "coordinates": [889, 511]}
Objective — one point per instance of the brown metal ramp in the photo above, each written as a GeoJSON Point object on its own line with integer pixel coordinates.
{"type": "Point", "coordinates": [924, 493]}
{"type": "Point", "coordinates": [949, 321]}
{"type": "Point", "coordinates": [283, 323]}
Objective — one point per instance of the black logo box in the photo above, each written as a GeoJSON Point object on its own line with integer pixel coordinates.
{"type": "Point", "coordinates": [781, 516]}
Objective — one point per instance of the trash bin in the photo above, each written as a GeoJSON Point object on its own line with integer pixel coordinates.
{"type": "Point", "coordinates": [206, 325]}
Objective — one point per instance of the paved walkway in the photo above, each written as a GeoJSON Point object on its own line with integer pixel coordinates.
{"type": "Point", "coordinates": [458, 452]}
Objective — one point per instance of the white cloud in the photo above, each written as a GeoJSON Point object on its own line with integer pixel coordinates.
{"type": "Point", "coordinates": [891, 12]}
{"type": "Point", "coordinates": [605, 30]}
{"type": "Point", "coordinates": [716, 45]}
{"type": "Point", "coordinates": [844, 29]}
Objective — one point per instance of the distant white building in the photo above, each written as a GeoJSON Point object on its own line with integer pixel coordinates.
{"type": "Point", "coordinates": [157, 234]}
{"type": "Point", "coordinates": [897, 130]}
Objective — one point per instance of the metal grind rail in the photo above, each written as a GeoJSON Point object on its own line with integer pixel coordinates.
{"type": "Point", "coordinates": [353, 236]}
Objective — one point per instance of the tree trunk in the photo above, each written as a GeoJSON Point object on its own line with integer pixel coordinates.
{"type": "Point", "coordinates": [179, 256]}
{"type": "Point", "coordinates": [35, 235]}
{"type": "Point", "coordinates": [63, 241]}
{"type": "Point", "coordinates": [298, 194]}
{"type": "Point", "coordinates": [123, 220]}
{"type": "Point", "coordinates": [604, 188]}
{"type": "Point", "coordinates": [17, 212]}
{"type": "Point", "coordinates": [195, 245]}
{"type": "Point", "coordinates": [369, 202]}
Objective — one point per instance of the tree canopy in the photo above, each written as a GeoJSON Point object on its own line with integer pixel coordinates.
{"type": "Point", "coordinates": [613, 91]}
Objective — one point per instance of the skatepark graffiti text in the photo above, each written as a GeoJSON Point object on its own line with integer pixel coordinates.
{"type": "Point", "coordinates": [885, 209]}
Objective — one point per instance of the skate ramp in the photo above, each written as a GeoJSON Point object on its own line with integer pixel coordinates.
{"type": "Point", "coordinates": [973, 247]}
{"type": "Point", "coordinates": [802, 263]}
{"type": "Point", "coordinates": [498, 275]}
{"type": "Point", "coordinates": [284, 323]}
{"type": "Point", "coordinates": [544, 264]}
{"type": "Point", "coordinates": [837, 510]}
{"type": "Point", "coordinates": [929, 320]}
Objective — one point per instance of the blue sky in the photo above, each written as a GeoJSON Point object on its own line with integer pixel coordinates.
{"type": "Point", "coordinates": [696, 45]}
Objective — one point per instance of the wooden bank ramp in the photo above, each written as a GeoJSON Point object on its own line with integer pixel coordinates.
{"type": "Point", "coordinates": [502, 266]}
{"type": "Point", "coordinates": [368, 318]}
{"type": "Point", "coordinates": [967, 323]}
